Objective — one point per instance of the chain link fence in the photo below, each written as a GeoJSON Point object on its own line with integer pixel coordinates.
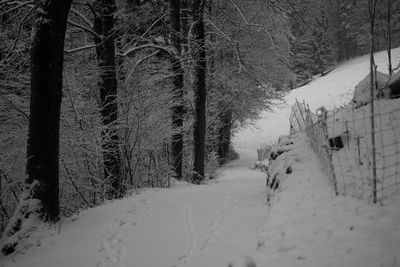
{"type": "Point", "coordinates": [359, 150]}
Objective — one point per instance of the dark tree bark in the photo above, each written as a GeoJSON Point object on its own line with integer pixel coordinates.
{"type": "Point", "coordinates": [185, 24]}
{"type": "Point", "coordinates": [41, 197]}
{"type": "Point", "coordinates": [177, 108]}
{"type": "Point", "coordinates": [224, 136]}
{"type": "Point", "coordinates": [199, 87]}
{"type": "Point", "coordinates": [105, 50]}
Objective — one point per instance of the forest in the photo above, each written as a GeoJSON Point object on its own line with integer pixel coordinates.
{"type": "Point", "coordinates": [99, 98]}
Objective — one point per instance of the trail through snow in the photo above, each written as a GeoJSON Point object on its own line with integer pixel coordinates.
{"type": "Point", "coordinates": [187, 225]}
{"type": "Point", "coordinates": [207, 225]}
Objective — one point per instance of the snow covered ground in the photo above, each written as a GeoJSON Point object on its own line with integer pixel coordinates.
{"type": "Point", "coordinates": [332, 90]}
{"type": "Point", "coordinates": [207, 225]}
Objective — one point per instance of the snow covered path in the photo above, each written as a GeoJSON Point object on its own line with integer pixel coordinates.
{"type": "Point", "coordinates": [207, 225]}
{"type": "Point", "coordinates": [183, 226]}
{"type": "Point", "coordinates": [202, 225]}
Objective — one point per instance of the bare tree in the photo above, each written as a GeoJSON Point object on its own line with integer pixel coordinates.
{"type": "Point", "coordinates": [199, 87]}
{"type": "Point", "coordinates": [105, 50]}
{"type": "Point", "coordinates": [177, 108]}
{"type": "Point", "coordinates": [40, 199]}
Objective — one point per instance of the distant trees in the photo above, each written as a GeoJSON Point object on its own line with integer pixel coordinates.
{"type": "Point", "coordinates": [247, 68]}
{"type": "Point", "coordinates": [325, 32]}
{"type": "Point", "coordinates": [41, 197]}
{"type": "Point", "coordinates": [311, 51]}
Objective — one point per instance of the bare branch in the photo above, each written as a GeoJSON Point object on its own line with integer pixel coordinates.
{"type": "Point", "coordinates": [18, 34]}
{"type": "Point", "coordinates": [78, 49]}
{"type": "Point", "coordinates": [138, 63]}
{"type": "Point", "coordinates": [90, 5]}
{"type": "Point", "coordinates": [76, 25]}
{"type": "Point", "coordinates": [75, 186]}
{"type": "Point", "coordinates": [147, 31]}
{"type": "Point", "coordinates": [14, 106]}
{"type": "Point", "coordinates": [22, 4]}
{"type": "Point", "coordinates": [168, 50]}
{"type": "Point", "coordinates": [240, 12]}
{"type": "Point", "coordinates": [235, 44]}
{"type": "Point", "coordinates": [226, 106]}
{"type": "Point", "coordinates": [83, 17]}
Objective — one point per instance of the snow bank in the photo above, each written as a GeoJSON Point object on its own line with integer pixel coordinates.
{"type": "Point", "coordinates": [309, 226]}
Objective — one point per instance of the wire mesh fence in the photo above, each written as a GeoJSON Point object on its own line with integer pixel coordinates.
{"type": "Point", "coordinates": [358, 150]}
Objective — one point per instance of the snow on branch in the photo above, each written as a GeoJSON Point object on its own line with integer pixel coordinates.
{"type": "Point", "coordinates": [78, 49]}
{"type": "Point", "coordinates": [148, 30]}
{"type": "Point", "coordinates": [83, 17]}
{"type": "Point", "coordinates": [169, 50]}
{"type": "Point", "coordinates": [20, 5]}
{"type": "Point", "coordinates": [76, 25]}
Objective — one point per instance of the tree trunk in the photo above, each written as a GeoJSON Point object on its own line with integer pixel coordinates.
{"type": "Point", "coordinates": [224, 137]}
{"type": "Point", "coordinates": [185, 24]}
{"type": "Point", "coordinates": [105, 50]}
{"type": "Point", "coordinates": [199, 87]}
{"type": "Point", "coordinates": [47, 56]}
{"type": "Point", "coordinates": [177, 108]}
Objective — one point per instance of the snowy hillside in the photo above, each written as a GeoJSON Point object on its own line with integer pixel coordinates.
{"type": "Point", "coordinates": [332, 90]}
{"type": "Point", "coordinates": [213, 224]}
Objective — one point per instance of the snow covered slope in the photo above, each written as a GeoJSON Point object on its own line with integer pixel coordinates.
{"type": "Point", "coordinates": [332, 90]}
{"type": "Point", "coordinates": [208, 225]}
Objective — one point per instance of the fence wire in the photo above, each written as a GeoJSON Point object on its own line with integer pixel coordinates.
{"type": "Point", "coordinates": [342, 140]}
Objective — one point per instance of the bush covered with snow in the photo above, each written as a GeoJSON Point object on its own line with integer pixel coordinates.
{"type": "Point", "coordinates": [263, 152]}
{"type": "Point", "coordinates": [280, 161]}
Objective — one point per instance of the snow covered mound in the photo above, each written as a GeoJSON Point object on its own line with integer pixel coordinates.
{"type": "Point", "coordinates": [309, 226]}
{"type": "Point", "coordinates": [280, 162]}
